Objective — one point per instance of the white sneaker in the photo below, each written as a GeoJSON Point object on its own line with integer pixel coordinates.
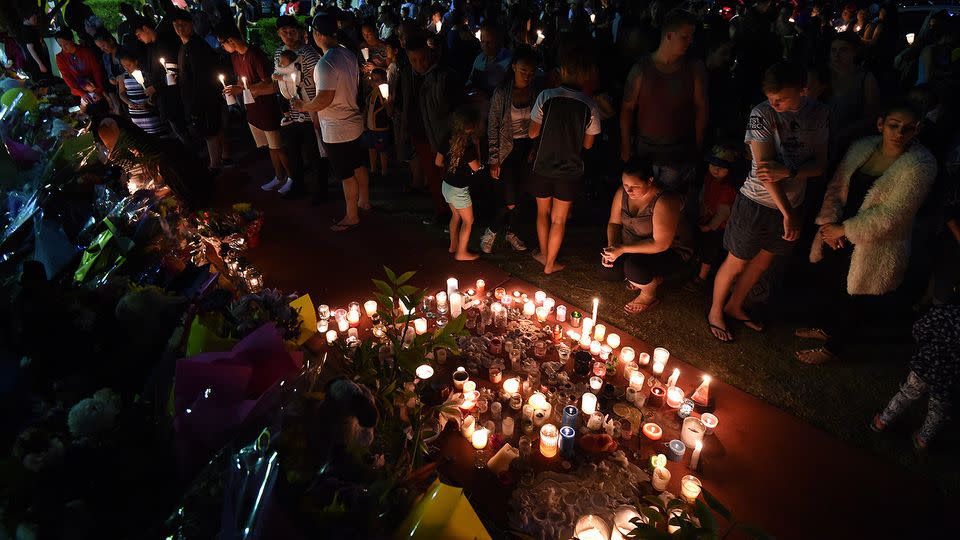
{"type": "Point", "coordinates": [486, 241]}
{"type": "Point", "coordinates": [271, 185]}
{"type": "Point", "coordinates": [516, 243]}
{"type": "Point", "coordinates": [286, 187]}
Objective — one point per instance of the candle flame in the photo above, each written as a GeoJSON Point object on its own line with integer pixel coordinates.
{"type": "Point", "coordinates": [706, 379]}
{"type": "Point", "coordinates": [163, 62]}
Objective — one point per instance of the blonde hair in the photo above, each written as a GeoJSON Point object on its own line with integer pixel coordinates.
{"type": "Point", "coordinates": [465, 130]}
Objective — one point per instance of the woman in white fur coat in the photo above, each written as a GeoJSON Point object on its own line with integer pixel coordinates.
{"type": "Point", "coordinates": [866, 223]}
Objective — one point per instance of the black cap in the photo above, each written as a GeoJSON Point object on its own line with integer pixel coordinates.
{"type": "Point", "coordinates": [181, 15]}
{"type": "Point", "coordinates": [65, 34]}
{"type": "Point", "coordinates": [324, 24]}
{"type": "Point", "coordinates": [287, 21]}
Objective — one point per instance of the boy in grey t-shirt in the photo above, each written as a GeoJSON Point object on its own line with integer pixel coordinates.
{"type": "Point", "coordinates": [788, 137]}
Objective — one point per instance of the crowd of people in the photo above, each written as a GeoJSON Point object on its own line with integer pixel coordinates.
{"type": "Point", "coordinates": [732, 136]}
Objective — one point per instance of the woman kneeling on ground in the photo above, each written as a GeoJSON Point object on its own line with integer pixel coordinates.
{"type": "Point", "coordinates": [640, 235]}
{"type": "Point", "coordinates": [866, 221]}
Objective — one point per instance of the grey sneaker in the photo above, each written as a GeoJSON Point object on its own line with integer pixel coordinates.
{"type": "Point", "coordinates": [516, 243]}
{"type": "Point", "coordinates": [272, 185]}
{"type": "Point", "coordinates": [487, 240]}
{"type": "Point", "coordinates": [285, 188]}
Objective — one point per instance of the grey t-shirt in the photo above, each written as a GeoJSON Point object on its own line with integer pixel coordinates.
{"type": "Point", "coordinates": [796, 135]}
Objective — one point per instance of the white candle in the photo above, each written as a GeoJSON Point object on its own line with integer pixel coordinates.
{"type": "Point", "coordinates": [507, 426]}
{"type": "Point", "coordinates": [353, 317]}
{"type": "Point", "coordinates": [605, 352]}
{"type": "Point", "coordinates": [596, 383]}
{"type": "Point", "coordinates": [657, 369]}
{"type": "Point", "coordinates": [223, 80]}
{"type": "Point", "coordinates": [539, 297]}
{"type": "Point", "coordinates": [438, 24]}
{"type": "Point", "coordinates": [549, 303]}
{"type": "Point", "coordinates": [477, 35]}
{"type": "Point", "coordinates": [540, 36]}
{"type": "Point", "coordinates": [593, 17]}
{"type": "Point", "coordinates": [529, 309]}
{"type": "Point", "coordinates": [645, 359]}
{"type": "Point", "coordinates": [660, 479]}
{"type": "Point", "coordinates": [595, 348]}
{"type": "Point", "coordinates": [370, 306]}
{"type": "Point", "coordinates": [613, 340]}
{"type": "Point", "coordinates": [420, 326]}
{"type": "Point", "coordinates": [452, 285]}
{"type": "Point", "coordinates": [343, 324]}
{"type": "Point", "coordinates": [549, 440]}
{"type": "Point", "coordinates": [660, 355]}
{"type": "Point", "coordinates": [690, 488]}
{"type": "Point", "coordinates": [588, 403]}
{"type": "Point", "coordinates": [587, 326]}
{"type": "Point", "coordinates": [163, 63]}
{"type": "Point", "coordinates": [538, 401]}
{"type": "Point", "coordinates": [542, 313]}
{"type": "Point", "coordinates": [561, 313]}
{"type": "Point", "coordinates": [695, 458]}
{"type": "Point", "coordinates": [468, 426]}
{"type": "Point", "coordinates": [910, 37]}
{"type": "Point", "coordinates": [585, 341]}
{"type": "Point", "coordinates": [441, 299]}
{"type": "Point", "coordinates": [599, 331]}
{"type": "Point", "coordinates": [244, 79]}
{"type": "Point", "coordinates": [710, 422]}
{"type": "Point", "coordinates": [424, 372]}
{"type": "Point", "coordinates": [674, 397]}
{"type": "Point", "coordinates": [674, 377]}
{"type": "Point", "coordinates": [469, 387]}
{"type": "Point", "coordinates": [322, 326]}
{"type": "Point", "coordinates": [636, 380]}
{"type": "Point", "coordinates": [331, 336]}
{"type": "Point", "coordinates": [596, 304]}
{"type": "Point", "coordinates": [691, 431]}
{"type": "Point", "coordinates": [627, 354]}
{"type": "Point", "coordinates": [591, 527]}
{"type": "Point", "coordinates": [384, 90]}
{"type": "Point", "coordinates": [138, 76]}
{"type": "Point", "coordinates": [500, 461]}
{"type": "Point", "coordinates": [366, 53]}
{"type": "Point", "coordinates": [456, 304]}
{"type": "Point", "coordinates": [573, 335]}
{"type": "Point", "coordinates": [479, 438]}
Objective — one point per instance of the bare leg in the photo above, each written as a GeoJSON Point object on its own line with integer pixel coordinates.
{"type": "Point", "coordinates": [213, 150]}
{"type": "Point", "coordinates": [704, 271]}
{"type": "Point", "coordinates": [463, 242]}
{"type": "Point", "coordinates": [350, 194]}
{"type": "Point", "coordinates": [544, 206]}
{"type": "Point", "coordinates": [278, 169]}
{"type": "Point", "coordinates": [373, 160]}
{"type": "Point", "coordinates": [384, 163]}
{"type": "Point", "coordinates": [751, 275]}
{"type": "Point", "coordinates": [726, 274]}
{"type": "Point", "coordinates": [284, 161]}
{"type": "Point", "coordinates": [454, 229]}
{"type": "Point", "coordinates": [558, 227]}
{"type": "Point", "coordinates": [363, 181]}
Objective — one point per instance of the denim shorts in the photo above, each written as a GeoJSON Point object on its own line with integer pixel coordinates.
{"type": "Point", "coordinates": [459, 197]}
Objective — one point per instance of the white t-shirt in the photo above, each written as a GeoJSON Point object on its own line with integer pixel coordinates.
{"type": "Point", "coordinates": [796, 136]}
{"type": "Point", "coordinates": [339, 71]}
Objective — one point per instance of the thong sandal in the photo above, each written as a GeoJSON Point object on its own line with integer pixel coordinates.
{"type": "Point", "coordinates": [811, 333]}
{"type": "Point", "coordinates": [728, 334]}
{"type": "Point", "coordinates": [815, 357]}
{"type": "Point", "coordinates": [343, 228]}
{"type": "Point", "coordinates": [635, 307]}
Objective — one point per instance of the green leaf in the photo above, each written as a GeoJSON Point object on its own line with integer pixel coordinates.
{"type": "Point", "coordinates": [674, 503]}
{"type": "Point", "coordinates": [652, 515]}
{"type": "Point", "coordinates": [390, 274]}
{"type": "Point", "coordinates": [716, 505]}
{"type": "Point", "coordinates": [648, 532]}
{"type": "Point", "coordinates": [755, 532]}
{"type": "Point", "coordinates": [384, 289]}
{"type": "Point", "coordinates": [405, 277]}
{"type": "Point", "coordinates": [655, 501]}
{"type": "Point", "coordinates": [703, 513]}
{"type": "Point", "coordinates": [407, 291]}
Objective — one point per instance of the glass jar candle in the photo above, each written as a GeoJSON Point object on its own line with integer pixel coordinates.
{"type": "Point", "coordinates": [588, 403]}
{"type": "Point", "coordinates": [596, 383]}
{"type": "Point", "coordinates": [460, 376]}
{"type": "Point", "coordinates": [540, 349]}
{"type": "Point", "coordinates": [674, 397]}
{"type": "Point", "coordinates": [549, 440]}
{"type": "Point", "coordinates": [496, 374]}
{"type": "Point", "coordinates": [570, 415]}
{"type": "Point", "coordinates": [542, 313]}
{"type": "Point", "coordinates": [710, 422]}
{"type": "Point", "coordinates": [599, 369]}
{"type": "Point", "coordinates": [499, 293]}
{"type": "Point", "coordinates": [496, 346]}
{"type": "Point", "coordinates": [506, 425]}
{"type": "Point", "coordinates": [690, 487]}
{"type": "Point", "coordinates": [323, 312]}
{"type": "Point", "coordinates": [576, 318]}
{"type": "Point", "coordinates": [567, 447]}
{"type": "Point", "coordinates": [561, 313]}
{"type": "Point", "coordinates": [644, 359]}
{"type": "Point", "coordinates": [514, 359]}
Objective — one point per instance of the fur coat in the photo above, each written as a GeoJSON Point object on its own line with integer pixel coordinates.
{"type": "Point", "coordinates": [880, 231]}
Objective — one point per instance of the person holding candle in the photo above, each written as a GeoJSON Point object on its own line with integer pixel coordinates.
{"type": "Point", "coordinates": [509, 144]}
{"type": "Point", "coordinates": [641, 235]}
{"type": "Point", "coordinates": [203, 104]}
{"type": "Point", "coordinates": [563, 122]}
{"type": "Point", "coordinates": [336, 76]}
{"type": "Point", "coordinates": [491, 66]}
{"type": "Point", "coordinates": [251, 65]}
{"type": "Point", "coordinates": [160, 46]}
{"type": "Point", "coordinates": [80, 68]}
{"type": "Point", "coordinates": [378, 137]}
{"type": "Point", "coordinates": [463, 162]}
{"type": "Point", "coordinates": [376, 49]}
{"type": "Point", "coordinates": [133, 93]}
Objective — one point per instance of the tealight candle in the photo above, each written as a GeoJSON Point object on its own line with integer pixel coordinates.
{"type": "Point", "coordinates": [686, 408]}
{"type": "Point", "coordinates": [529, 309]}
{"type": "Point", "coordinates": [644, 359]}
{"type": "Point", "coordinates": [331, 336]}
{"type": "Point", "coordinates": [561, 313]}
{"type": "Point", "coordinates": [695, 458]}
{"type": "Point", "coordinates": [424, 372]}
{"type": "Point", "coordinates": [542, 313]}
{"type": "Point", "coordinates": [675, 450]}
{"type": "Point", "coordinates": [674, 397]}
{"type": "Point", "coordinates": [613, 340]}
{"type": "Point", "coordinates": [588, 403]}
{"type": "Point", "coordinates": [370, 307]}
{"type": "Point", "coordinates": [596, 383]}
{"type": "Point", "coordinates": [539, 297]}
{"type": "Point", "coordinates": [710, 422]}
{"type": "Point", "coordinates": [652, 431]}
{"type": "Point", "coordinates": [690, 488]}
{"type": "Point", "coordinates": [599, 332]}
{"type": "Point", "coordinates": [511, 386]}
{"type": "Point", "coordinates": [481, 285]}
{"type": "Point", "coordinates": [660, 478]}
{"type": "Point", "coordinates": [420, 326]}
{"type": "Point", "coordinates": [627, 354]}
{"type": "Point", "coordinates": [479, 438]}
{"type": "Point", "coordinates": [549, 440]}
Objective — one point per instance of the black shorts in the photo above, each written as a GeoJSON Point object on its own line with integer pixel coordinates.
{"type": "Point", "coordinates": [642, 268]}
{"type": "Point", "coordinates": [560, 188]}
{"type": "Point", "coordinates": [753, 227]}
{"type": "Point", "coordinates": [346, 157]}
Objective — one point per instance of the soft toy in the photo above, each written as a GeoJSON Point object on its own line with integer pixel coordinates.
{"type": "Point", "coordinates": [94, 416]}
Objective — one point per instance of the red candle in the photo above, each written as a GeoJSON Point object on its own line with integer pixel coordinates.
{"type": "Point", "coordinates": [652, 431]}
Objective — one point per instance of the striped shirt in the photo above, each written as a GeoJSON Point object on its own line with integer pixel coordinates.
{"type": "Point", "coordinates": [147, 118]}
{"type": "Point", "coordinates": [307, 58]}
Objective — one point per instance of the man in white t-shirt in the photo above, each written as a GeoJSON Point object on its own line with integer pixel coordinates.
{"type": "Point", "coordinates": [336, 77]}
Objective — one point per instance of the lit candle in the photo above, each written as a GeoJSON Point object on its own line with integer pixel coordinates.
{"type": "Point", "coordinates": [605, 352]}
{"type": "Point", "coordinates": [538, 400]}
{"type": "Point", "coordinates": [657, 370]}
{"type": "Point", "coordinates": [644, 359]}
{"type": "Point", "coordinates": [507, 426]}
{"type": "Point", "coordinates": [460, 376]}
{"type": "Point", "coordinates": [353, 333]}
{"type": "Point", "coordinates": [542, 313]}
{"type": "Point", "coordinates": [660, 355]}
{"type": "Point", "coordinates": [588, 403]}
{"type": "Point", "coordinates": [613, 340]}
{"type": "Point", "coordinates": [652, 431]}
{"type": "Point", "coordinates": [636, 380]}
{"type": "Point", "coordinates": [627, 354]}
{"type": "Point", "coordinates": [529, 309]}
{"type": "Point", "coordinates": [477, 35]}
{"type": "Point", "coordinates": [540, 36]}
{"type": "Point", "coordinates": [549, 303]}
{"type": "Point", "coordinates": [353, 317]}
{"type": "Point", "coordinates": [910, 37]}
{"type": "Point", "coordinates": [702, 394]}
{"type": "Point", "coordinates": [599, 331]}
{"type": "Point", "coordinates": [675, 450]}
{"type": "Point", "coordinates": [695, 458]}
{"type": "Point", "coordinates": [692, 431]}
{"type": "Point", "coordinates": [343, 324]}
{"type": "Point", "coordinates": [587, 326]}
{"type": "Point", "coordinates": [456, 304]}
{"type": "Point", "coordinates": [674, 377]}
{"type": "Point", "coordinates": [223, 80]}
{"type": "Point", "coordinates": [596, 383]}
{"type": "Point", "coordinates": [511, 386]}
{"type": "Point", "coordinates": [438, 24]}
{"type": "Point", "coordinates": [573, 335]}
{"type": "Point", "coordinates": [674, 397]}
{"type": "Point", "coordinates": [370, 306]}
{"type": "Point", "coordinates": [468, 426]}
{"type": "Point", "coordinates": [331, 336]}
{"type": "Point", "coordinates": [441, 300]}
{"type": "Point", "coordinates": [500, 461]}
{"type": "Point", "coordinates": [163, 63]}
{"type": "Point", "coordinates": [138, 76]}
{"type": "Point", "coordinates": [591, 527]}
{"type": "Point", "coordinates": [322, 326]}
{"type": "Point", "coordinates": [596, 304]}
{"type": "Point", "coordinates": [593, 17]}
{"type": "Point", "coordinates": [690, 487]}
{"type": "Point", "coordinates": [660, 479]}
{"type": "Point", "coordinates": [539, 297]}
{"type": "Point", "coordinates": [595, 348]}
{"type": "Point", "coordinates": [420, 325]}
{"type": "Point", "coordinates": [469, 386]}
{"type": "Point", "coordinates": [244, 79]}
{"type": "Point", "coordinates": [452, 285]}
{"type": "Point", "coordinates": [567, 434]}
{"type": "Point", "coordinates": [570, 416]}
{"type": "Point", "coordinates": [585, 340]}
{"type": "Point", "coordinates": [479, 438]}
{"type": "Point", "coordinates": [481, 285]}
{"type": "Point", "coordinates": [366, 54]}
{"type": "Point", "coordinates": [561, 313]}
{"type": "Point", "coordinates": [424, 372]}
{"type": "Point", "coordinates": [549, 440]}
{"type": "Point", "coordinates": [710, 422]}
{"type": "Point", "coordinates": [384, 90]}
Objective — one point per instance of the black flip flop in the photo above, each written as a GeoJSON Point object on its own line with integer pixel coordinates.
{"type": "Point", "coordinates": [337, 228]}
{"type": "Point", "coordinates": [711, 327]}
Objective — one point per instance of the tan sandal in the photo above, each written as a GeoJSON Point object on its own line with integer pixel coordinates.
{"type": "Point", "coordinates": [636, 306]}
{"type": "Point", "coordinates": [812, 333]}
{"type": "Point", "coordinates": [815, 357]}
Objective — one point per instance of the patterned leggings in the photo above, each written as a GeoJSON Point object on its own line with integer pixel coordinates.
{"type": "Point", "coordinates": [937, 410]}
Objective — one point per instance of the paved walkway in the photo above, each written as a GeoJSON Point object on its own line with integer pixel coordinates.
{"type": "Point", "coordinates": [770, 468]}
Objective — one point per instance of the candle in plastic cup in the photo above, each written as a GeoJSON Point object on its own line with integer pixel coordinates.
{"type": "Point", "coordinates": [478, 35]}
{"type": "Point", "coordinates": [138, 76]}
{"type": "Point", "coordinates": [384, 90]}
{"type": "Point", "coordinates": [479, 438]}
{"type": "Point", "coordinates": [910, 37]}
{"type": "Point", "coordinates": [366, 53]}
